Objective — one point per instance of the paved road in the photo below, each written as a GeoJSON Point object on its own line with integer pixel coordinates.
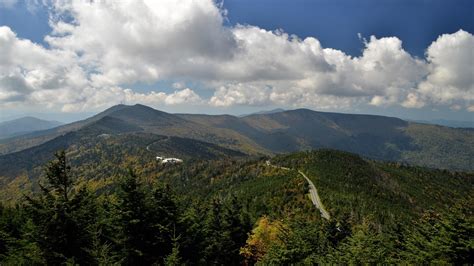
{"type": "Point", "coordinates": [313, 192]}
{"type": "Point", "coordinates": [148, 147]}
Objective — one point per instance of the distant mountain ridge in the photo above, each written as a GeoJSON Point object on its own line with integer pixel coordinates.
{"type": "Point", "coordinates": [25, 125]}
{"type": "Point", "coordinates": [448, 123]}
{"type": "Point", "coordinates": [264, 112]}
{"type": "Point", "coordinates": [372, 136]}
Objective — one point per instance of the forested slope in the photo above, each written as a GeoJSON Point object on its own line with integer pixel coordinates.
{"type": "Point", "coordinates": [371, 136]}
{"type": "Point", "coordinates": [237, 210]}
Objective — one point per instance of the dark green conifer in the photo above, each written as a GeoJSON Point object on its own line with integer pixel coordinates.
{"type": "Point", "coordinates": [62, 216]}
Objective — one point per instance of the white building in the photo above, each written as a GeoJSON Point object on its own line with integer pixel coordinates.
{"type": "Point", "coordinates": [171, 160]}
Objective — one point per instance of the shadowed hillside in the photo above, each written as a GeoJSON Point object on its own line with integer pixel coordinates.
{"type": "Point", "coordinates": [24, 126]}
{"type": "Point", "coordinates": [377, 137]}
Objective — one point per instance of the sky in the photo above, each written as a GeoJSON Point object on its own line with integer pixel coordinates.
{"type": "Point", "coordinates": [66, 60]}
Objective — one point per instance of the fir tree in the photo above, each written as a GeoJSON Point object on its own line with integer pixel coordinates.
{"type": "Point", "coordinates": [146, 221]}
{"type": "Point", "coordinates": [62, 216]}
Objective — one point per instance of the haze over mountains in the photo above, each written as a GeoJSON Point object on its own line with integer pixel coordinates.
{"type": "Point", "coordinates": [448, 123]}
{"type": "Point", "coordinates": [226, 161]}
{"type": "Point", "coordinates": [25, 125]}
{"type": "Point", "coordinates": [376, 137]}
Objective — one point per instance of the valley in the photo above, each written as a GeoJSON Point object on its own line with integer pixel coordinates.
{"type": "Point", "coordinates": [284, 187]}
{"type": "Point", "coordinates": [375, 137]}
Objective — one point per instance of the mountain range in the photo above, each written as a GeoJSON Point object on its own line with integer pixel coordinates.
{"type": "Point", "coordinates": [448, 123]}
{"type": "Point", "coordinates": [371, 136]}
{"type": "Point", "coordinates": [25, 125]}
{"type": "Point", "coordinates": [239, 173]}
{"type": "Point", "coordinates": [376, 137]}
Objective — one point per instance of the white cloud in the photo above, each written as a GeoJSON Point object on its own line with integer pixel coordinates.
{"type": "Point", "coordinates": [183, 96]}
{"type": "Point", "coordinates": [243, 94]}
{"type": "Point", "coordinates": [8, 3]}
{"type": "Point", "coordinates": [129, 41]}
{"type": "Point", "coordinates": [33, 75]}
{"type": "Point", "coordinates": [451, 63]}
{"type": "Point", "coordinates": [413, 101]}
{"type": "Point", "coordinates": [106, 97]}
{"type": "Point", "coordinates": [109, 45]}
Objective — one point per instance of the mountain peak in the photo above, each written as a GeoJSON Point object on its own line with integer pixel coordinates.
{"type": "Point", "coordinates": [25, 125]}
{"type": "Point", "coordinates": [266, 112]}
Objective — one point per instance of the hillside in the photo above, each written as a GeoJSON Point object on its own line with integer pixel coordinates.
{"type": "Point", "coordinates": [376, 137]}
{"type": "Point", "coordinates": [24, 125]}
{"type": "Point", "coordinates": [261, 212]}
{"type": "Point", "coordinates": [142, 119]}
{"type": "Point", "coordinates": [106, 147]}
{"type": "Point", "coordinates": [387, 192]}
{"type": "Point", "coordinates": [348, 184]}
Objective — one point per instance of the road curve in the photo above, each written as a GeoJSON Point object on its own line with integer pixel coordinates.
{"type": "Point", "coordinates": [313, 192]}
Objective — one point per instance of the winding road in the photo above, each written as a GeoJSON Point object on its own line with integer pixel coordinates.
{"type": "Point", "coordinates": [313, 192]}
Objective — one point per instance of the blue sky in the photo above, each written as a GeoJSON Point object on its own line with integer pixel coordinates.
{"type": "Point", "coordinates": [335, 23]}
{"type": "Point", "coordinates": [338, 24]}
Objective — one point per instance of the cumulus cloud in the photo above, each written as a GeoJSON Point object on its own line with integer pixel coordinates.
{"type": "Point", "coordinates": [130, 41]}
{"type": "Point", "coordinates": [33, 75]}
{"type": "Point", "coordinates": [451, 62]}
{"type": "Point", "coordinates": [99, 48]}
{"type": "Point", "coordinates": [243, 94]}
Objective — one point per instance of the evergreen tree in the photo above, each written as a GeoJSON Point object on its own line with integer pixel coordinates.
{"type": "Point", "coordinates": [215, 238]}
{"type": "Point", "coordinates": [235, 224]}
{"type": "Point", "coordinates": [192, 238]}
{"type": "Point", "coordinates": [225, 231]}
{"type": "Point", "coordinates": [62, 216]}
{"type": "Point", "coordinates": [174, 259]}
{"type": "Point", "coordinates": [364, 246]}
{"type": "Point", "coordinates": [442, 238]}
{"type": "Point", "coordinates": [106, 245]}
{"type": "Point", "coordinates": [163, 217]}
{"type": "Point", "coordinates": [146, 221]}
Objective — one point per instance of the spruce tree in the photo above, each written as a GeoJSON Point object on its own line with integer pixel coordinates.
{"type": "Point", "coordinates": [147, 219]}
{"type": "Point", "coordinates": [174, 258]}
{"type": "Point", "coordinates": [442, 238]}
{"type": "Point", "coordinates": [132, 211]}
{"type": "Point", "coordinates": [62, 216]}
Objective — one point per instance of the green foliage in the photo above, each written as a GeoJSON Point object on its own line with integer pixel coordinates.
{"type": "Point", "coordinates": [174, 258]}
{"type": "Point", "coordinates": [61, 217]}
{"type": "Point", "coordinates": [364, 246]}
{"type": "Point", "coordinates": [387, 192]}
{"type": "Point", "coordinates": [442, 238]}
{"type": "Point", "coordinates": [146, 220]}
{"type": "Point", "coordinates": [439, 146]}
{"type": "Point", "coordinates": [202, 212]}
